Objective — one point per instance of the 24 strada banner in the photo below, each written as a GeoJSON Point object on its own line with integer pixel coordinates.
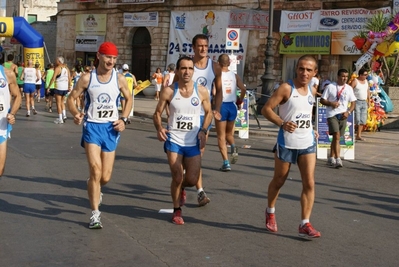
{"type": "Point", "coordinates": [184, 25]}
{"type": "Point", "coordinates": [353, 19]}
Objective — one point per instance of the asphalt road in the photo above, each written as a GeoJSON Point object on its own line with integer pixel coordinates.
{"type": "Point", "coordinates": [44, 210]}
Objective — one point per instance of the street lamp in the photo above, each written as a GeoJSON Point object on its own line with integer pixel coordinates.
{"type": "Point", "coordinates": [268, 77]}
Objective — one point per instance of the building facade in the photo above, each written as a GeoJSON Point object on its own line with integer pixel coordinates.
{"type": "Point", "coordinates": [148, 34]}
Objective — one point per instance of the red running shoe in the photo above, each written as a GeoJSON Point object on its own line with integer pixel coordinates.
{"type": "Point", "coordinates": [183, 198]}
{"type": "Point", "coordinates": [177, 219]}
{"type": "Point", "coordinates": [271, 224]}
{"type": "Point", "coordinates": [308, 231]}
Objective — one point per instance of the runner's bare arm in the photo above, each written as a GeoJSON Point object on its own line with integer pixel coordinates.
{"type": "Point", "coordinates": [164, 98]}
{"type": "Point", "coordinates": [15, 93]}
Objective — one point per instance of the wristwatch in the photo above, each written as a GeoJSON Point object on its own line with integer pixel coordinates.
{"type": "Point", "coordinates": [124, 119]}
{"type": "Point", "coordinates": [205, 131]}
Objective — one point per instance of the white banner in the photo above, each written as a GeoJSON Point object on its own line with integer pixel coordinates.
{"type": "Point", "coordinates": [353, 19]}
{"type": "Point", "coordinates": [395, 6]}
{"type": "Point", "coordinates": [184, 25]}
{"type": "Point", "coordinates": [87, 43]}
{"type": "Point", "coordinates": [140, 19]}
{"type": "Point", "coordinates": [299, 21]}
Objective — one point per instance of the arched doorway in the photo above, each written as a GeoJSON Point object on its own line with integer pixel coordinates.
{"type": "Point", "coordinates": [141, 54]}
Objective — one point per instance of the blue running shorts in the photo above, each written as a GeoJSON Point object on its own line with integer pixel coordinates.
{"type": "Point", "coordinates": [228, 110]}
{"type": "Point", "coordinates": [291, 155]}
{"type": "Point", "coordinates": [101, 134]}
{"type": "Point", "coordinates": [29, 88]}
{"type": "Point", "coordinates": [186, 151]}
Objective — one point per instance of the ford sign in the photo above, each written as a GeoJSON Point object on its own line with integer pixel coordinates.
{"type": "Point", "coordinates": [329, 22]}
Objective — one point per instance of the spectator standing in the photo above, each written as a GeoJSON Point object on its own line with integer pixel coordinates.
{"type": "Point", "coordinates": [336, 98]}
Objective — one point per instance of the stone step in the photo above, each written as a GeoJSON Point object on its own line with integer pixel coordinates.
{"type": "Point", "coordinates": [392, 122]}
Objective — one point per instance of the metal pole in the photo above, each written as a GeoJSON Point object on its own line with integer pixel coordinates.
{"type": "Point", "coordinates": [268, 78]}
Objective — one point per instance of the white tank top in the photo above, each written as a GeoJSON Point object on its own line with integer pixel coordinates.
{"type": "Point", "coordinates": [184, 120]}
{"type": "Point", "coordinates": [229, 86]}
{"type": "Point", "coordinates": [298, 109]}
{"type": "Point", "coordinates": [61, 82]}
{"type": "Point", "coordinates": [360, 90]}
{"type": "Point", "coordinates": [30, 75]}
{"type": "Point", "coordinates": [102, 99]}
{"type": "Point", "coordinates": [205, 77]}
{"type": "Point", "coordinates": [4, 103]}
{"type": "Point", "coordinates": [171, 77]}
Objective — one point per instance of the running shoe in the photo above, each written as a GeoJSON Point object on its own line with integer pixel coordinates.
{"type": "Point", "coordinates": [27, 115]}
{"type": "Point", "coordinates": [64, 118]}
{"type": "Point", "coordinates": [59, 121]}
{"type": "Point", "coordinates": [331, 162]}
{"type": "Point", "coordinates": [50, 110]}
{"type": "Point", "coordinates": [234, 155]}
{"type": "Point", "coordinates": [177, 219]}
{"type": "Point", "coordinates": [202, 199]}
{"type": "Point", "coordinates": [95, 220]}
{"type": "Point", "coordinates": [183, 197]}
{"type": "Point", "coordinates": [271, 224]}
{"type": "Point", "coordinates": [338, 163]}
{"type": "Point", "coordinates": [34, 112]}
{"type": "Point", "coordinates": [225, 167]}
{"type": "Point", "coordinates": [308, 231]}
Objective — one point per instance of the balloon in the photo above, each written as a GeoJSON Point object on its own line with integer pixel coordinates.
{"type": "Point", "coordinates": [376, 36]}
{"type": "Point", "coordinates": [359, 42]}
{"type": "Point", "coordinates": [393, 49]}
{"type": "Point", "coordinates": [381, 49]}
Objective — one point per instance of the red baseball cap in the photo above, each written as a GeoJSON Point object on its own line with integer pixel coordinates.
{"type": "Point", "coordinates": [108, 48]}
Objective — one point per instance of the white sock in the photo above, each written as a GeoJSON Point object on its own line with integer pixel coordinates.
{"type": "Point", "coordinates": [270, 210]}
{"type": "Point", "coordinates": [304, 221]}
{"type": "Point", "coordinates": [200, 190]}
{"type": "Point", "coordinates": [95, 212]}
{"type": "Point", "coordinates": [60, 116]}
{"type": "Point", "coordinates": [33, 107]}
{"type": "Point", "coordinates": [64, 112]}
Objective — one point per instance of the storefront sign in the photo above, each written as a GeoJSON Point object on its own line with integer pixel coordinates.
{"type": "Point", "coordinates": [395, 6]}
{"type": "Point", "coordinates": [249, 19]}
{"type": "Point", "coordinates": [299, 21]}
{"type": "Point", "coordinates": [91, 24]}
{"type": "Point", "coordinates": [342, 44]}
{"type": "Point", "coordinates": [184, 25]}
{"type": "Point", "coordinates": [305, 43]}
{"type": "Point", "coordinates": [353, 19]}
{"type": "Point", "coordinates": [140, 19]}
{"type": "Point", "coordinates": [87, 43]}
{"type": "Point", "coordinates": [121, 2]}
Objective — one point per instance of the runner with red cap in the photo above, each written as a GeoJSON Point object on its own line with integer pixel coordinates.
{"type": "Point", "coordinates": [102, 125]}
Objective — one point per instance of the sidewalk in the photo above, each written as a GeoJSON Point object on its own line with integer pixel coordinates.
{"type": "Point", "coordinates": [379, 150]}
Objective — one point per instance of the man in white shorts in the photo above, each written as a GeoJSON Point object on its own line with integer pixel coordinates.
{"type": "Point", "coordinates": [101, 122]}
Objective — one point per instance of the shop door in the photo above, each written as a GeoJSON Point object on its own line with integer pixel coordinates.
{"type": "Point", "coordinates": [141, 54]}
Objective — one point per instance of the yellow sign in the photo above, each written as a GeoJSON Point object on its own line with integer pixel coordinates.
{"type": "Point", "coordinates": [91, 24]}
{"type": "Point", "coordinates": [6, 27]}
{"type": "Point", "coordinates": [34, 54]}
